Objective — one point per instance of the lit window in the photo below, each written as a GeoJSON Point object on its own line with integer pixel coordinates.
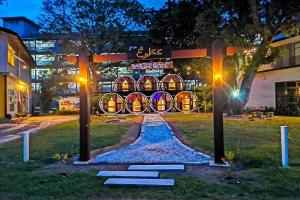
{"type": "Point", "coordinates": [11, 98]}
{"type": "Point", "coordinates": [11, 56]}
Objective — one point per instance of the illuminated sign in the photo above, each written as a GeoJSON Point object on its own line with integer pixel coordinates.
{"type": "Point", "coordinates": [145, 51]}
{"type": "Point", "coordinates": [151, 65]}
{"type": "Point", "coordinates": [69, 104]}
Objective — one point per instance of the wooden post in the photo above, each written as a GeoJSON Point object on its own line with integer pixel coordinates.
{"type": "Point", "coordinates": [83, 62]}
{"type": "Point", "coordinates": [217, 61]}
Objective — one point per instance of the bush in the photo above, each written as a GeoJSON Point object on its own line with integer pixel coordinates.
{"type": "Point", "coordinates": [66, 112]}
{"type": "Point", "coordinates": [4, 120]}
{"type": "Point", "coordinates": [21, 114]}
{"type": "Point", "coordinates": [8, 116]}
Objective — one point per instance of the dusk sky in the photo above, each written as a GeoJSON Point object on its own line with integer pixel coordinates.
{"type": "Point", "coordinates": [32, 8]}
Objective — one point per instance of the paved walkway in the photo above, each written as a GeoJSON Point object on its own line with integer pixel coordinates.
{"type": "Point", "coordinates": [33, 125]}
{"type": "Point", "coordinates": [156, 144]}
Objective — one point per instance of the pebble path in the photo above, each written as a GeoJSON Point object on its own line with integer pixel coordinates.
{"type": "Point", "coordinates": [156, 144]}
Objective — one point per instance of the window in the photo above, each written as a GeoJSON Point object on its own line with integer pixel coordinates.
{"type": "Point", "coordinates": [11, 100]}
{"type": "Point", "coordinates": [42, 73]}
{"type": "Point", "coordinates": [30, 44]}
{"type": "Point", "coordinates": [288, 97]}
{"type": "Point", "coordinates": [11, 56]}
{"type": "Point", "coordinates": [33, 74]}
{"type": "Point", "coordinates": [297, 53]}
{"type": "Point", "coordinates": [44, 60]}
{"type": "Point", "coordinates": [45, 46]}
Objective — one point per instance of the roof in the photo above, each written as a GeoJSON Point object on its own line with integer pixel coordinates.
{"type": "Point", "coordinates": [21, 18]}
{"type": "Point", "coordinates": [21, 41]}
{"type": "Point", "coordinates": [286, 41]}
{"type": "Point", "coordinates": [279, 68]}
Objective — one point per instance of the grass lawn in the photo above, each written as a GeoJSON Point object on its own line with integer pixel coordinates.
{"type": "Point", "coordinates": [256, 145]}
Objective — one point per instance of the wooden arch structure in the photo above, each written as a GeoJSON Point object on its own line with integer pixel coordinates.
{"type": "Point", "coordinates": [217, 53]}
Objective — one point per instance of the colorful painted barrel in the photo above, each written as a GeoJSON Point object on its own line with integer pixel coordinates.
{"type": "Point", "coordinates": [136, 102]}
{"type": "Point", "coordinates": [161, 101]}
{"type": "Point", "coordinates": [172, 82]}
{"type": "Point", "coordinates": [148, 83]}
{"type": "Point", "coordinates": [111, 103]}
{"type": "Point", "coordinates": [185, 101]}
{"type": "Point", "coordinates": [124, 84]}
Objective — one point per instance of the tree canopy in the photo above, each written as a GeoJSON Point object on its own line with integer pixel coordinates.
{"type": "Point", "coordinates": [94, 25]}
{"type": "Point", "coordinates": [250, 24]}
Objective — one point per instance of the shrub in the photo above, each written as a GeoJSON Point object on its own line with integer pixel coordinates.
{"type": "Point", "coordinates": [21, 114]}
{"type": "Point", "coordinates": [66, 112]}
{"type": "Point", "coordinates": [8, 116]}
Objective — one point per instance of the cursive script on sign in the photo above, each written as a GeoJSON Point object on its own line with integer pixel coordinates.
{"type": "Point", "coordinates": [148, 53]}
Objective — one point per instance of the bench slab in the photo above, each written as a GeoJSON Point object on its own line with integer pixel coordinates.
{"type": "Point", "coordinates": [139, 182]}
{"type": "Point", "coordinates": [138, 174]}
{"type": "Point", "coordinates": [157, 167]}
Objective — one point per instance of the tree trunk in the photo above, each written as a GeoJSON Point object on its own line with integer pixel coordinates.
{"type": "Point", "coordinates": [237, 105]}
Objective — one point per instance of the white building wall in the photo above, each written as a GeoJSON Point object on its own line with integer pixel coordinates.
{"type": "Point", "coordinates": [263, 88]}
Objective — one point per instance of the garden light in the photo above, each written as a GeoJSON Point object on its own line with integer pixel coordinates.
{"type": "Point", "coordinates": [235, 93]}
{"type": "Point", "coordinates": [218, 77]}
{"type": "Point", "coordinates": [82, 80]}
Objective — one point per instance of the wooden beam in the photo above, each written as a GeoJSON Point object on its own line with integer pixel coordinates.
{"type": "Point", "coordinates": [73, 60]}
{"type": "Point", "coordinates": [84, 106]}
{"type": "Point", "coordinates": [217, 61]}
{"type": "Point", "coordinates": [230, 51]}
{"type": "Point", "coordinates": [189, 53]}
{"type": "Point", "coordinates": [118, 57]}
{"type": "Point", "coordinates": [176, 54]}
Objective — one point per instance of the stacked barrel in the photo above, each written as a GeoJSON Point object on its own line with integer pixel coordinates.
{"type": "Point", "coordinates": [148, 93]}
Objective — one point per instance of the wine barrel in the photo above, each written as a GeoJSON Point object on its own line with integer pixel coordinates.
{"type": "Point", "coordinates": [161, 101]}
{"type": "Point", "coordinates": [111, 103]}
{"type": "Point", "coordinates": [185, 101]}
{"type": "Point", "coordinates": [136, 102]}
{"type": "Point", "coordinates": [148, 83]}
{"type": "Point", "coordinates": [124, 84]}
{"type": "Point", "coordinates": [172, 82]}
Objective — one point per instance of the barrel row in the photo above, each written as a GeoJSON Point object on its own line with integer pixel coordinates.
{"type": "Point", "coordinates": [171, 82]}
{"type": "Point", "coordinates": [137, 102]}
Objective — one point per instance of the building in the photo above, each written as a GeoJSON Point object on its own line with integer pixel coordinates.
{"type": "Point", "coordinates": [15, 84]}
{"type": "Point", "coordinates": [47, 51]}
{"type": "Point", "coordinates": [278, 85]}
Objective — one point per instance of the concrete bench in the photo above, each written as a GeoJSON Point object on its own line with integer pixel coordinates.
{"type": "Point", "coordinates": [137, 174]}
{"type": "Point", "coordinates": [139, 182]}
{"type": "Point", "coordinates": [156, 167]}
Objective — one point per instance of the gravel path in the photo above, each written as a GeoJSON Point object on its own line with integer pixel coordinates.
{"type": "Point", "coordinates": [156, 144]}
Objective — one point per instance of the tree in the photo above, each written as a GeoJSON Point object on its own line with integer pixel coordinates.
{"type": "Point", "coordinates": [3, 2]}
{"type": "Point", "coordinates": [93, 25]}
{"type": "Point", "coordinates": [99, 26]}
{"type": "Point", "coordinates": [251, 24]}
{"type": "Point", "coordinates": [48, 92]}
